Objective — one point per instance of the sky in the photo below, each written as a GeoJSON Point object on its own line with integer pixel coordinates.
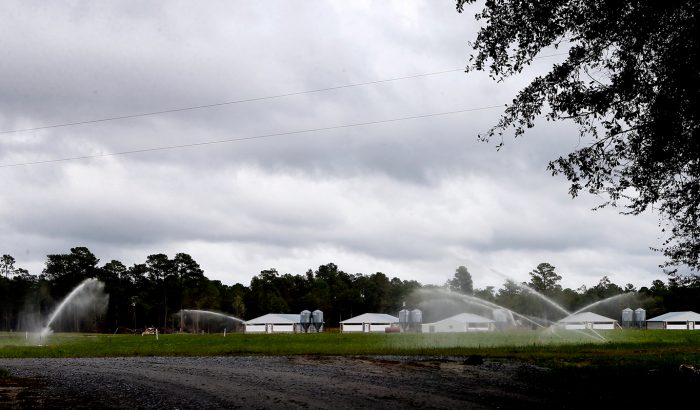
{"type": "Point", "coordinates": [317, 141]}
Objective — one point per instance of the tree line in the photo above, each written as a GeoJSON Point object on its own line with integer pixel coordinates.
{"type": "Point", "coordinates": [152, 293]}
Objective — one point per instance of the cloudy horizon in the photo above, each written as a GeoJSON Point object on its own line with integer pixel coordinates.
{"type": "Point", "coordinates": [413, 198]}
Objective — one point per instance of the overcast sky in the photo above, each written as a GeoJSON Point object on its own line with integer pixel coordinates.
{"type": "Point", "coordinates": [413, 198]}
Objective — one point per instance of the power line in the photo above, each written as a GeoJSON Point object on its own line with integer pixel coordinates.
{"type": "Point", "coordinates": [247, 100]}
{"type": "Point", "coordinates": [233, 102]}
{"type": "Point", "coordinates": [277, 134]}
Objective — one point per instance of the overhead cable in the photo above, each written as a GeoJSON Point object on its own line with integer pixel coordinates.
{"type": "Point", "coordinates": [254, 137]}
{"type": "Point", "coordinates": [233, 102]}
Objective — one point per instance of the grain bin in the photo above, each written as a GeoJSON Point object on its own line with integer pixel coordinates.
{"type": "Point", "coordinates": [305, 320]}
{"type": "Point", "coordinates": [627, 317]}
{"type": "Point", "coordinates": [640, 317]}
{"type": "Point", "coordinates": [415, 319]}
{"type": "Point", "coordinates": [404, 319]}
{"type": "Point", "coordinates": [317, 320]}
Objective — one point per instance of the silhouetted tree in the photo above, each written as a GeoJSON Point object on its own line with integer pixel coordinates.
{"type": "Point", "coordinates": [66, 271]}
{"type": "Point", "coordinates": [544, 279]}
{"type": "Point", "coordinates": [511, 296]}
{"type": "Point", "coordinates": [462, 281]}
{"type": "Point", "coordinates": [7, 266]}
{"type": "Point", "coordinates": [265, 295]}
{"type": "Point", "coordinates": [605, 289]}
{"type": "Point", "coordinates": [630, 82]}
{"type": "Point", "coordinates": [374, 292]}
{"type": "Point", "coordinates": [113, 275]}
{"type": "Point", "coordinates": [488, 293]}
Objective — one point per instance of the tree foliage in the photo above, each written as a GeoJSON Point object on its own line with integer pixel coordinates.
{"type": "Point", "coordinates": [7, 266]}
{"type": "Point", "coordinates": [152, 293]}
{"type": "Point", "coordinates": [544, 279]}
{"type": "Point", "coordinates": [462, 281]}
{"type": "Point", "coordinates": [631, 82]}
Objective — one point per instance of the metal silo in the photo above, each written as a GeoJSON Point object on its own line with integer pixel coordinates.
{"type": "Point", "coordinates": [415, 319]}
{"type": "Point", "coordinates": [404, 319]}
{"type": "Point", "coordinates": [305, 320]}
{"type": "Point", "coordinates": [640, 317]}
{"type": "Point", "coordinates": [317, 320]}
{"type": "Point", "coordinates": [627, 317]}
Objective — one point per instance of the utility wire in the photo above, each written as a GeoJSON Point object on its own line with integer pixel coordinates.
{"type": "Point", "coordinates": [277, 134]}
{"type": "Point", "coordinates": [247, 100]}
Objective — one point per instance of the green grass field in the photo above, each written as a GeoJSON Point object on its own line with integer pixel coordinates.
{"type": "Point", "coordinates": [553, 348]}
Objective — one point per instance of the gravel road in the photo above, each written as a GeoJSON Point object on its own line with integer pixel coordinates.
{"type": "Point", "coordinates": [270, 383]}
{"type": "Point", "coordinates": [329, 383]}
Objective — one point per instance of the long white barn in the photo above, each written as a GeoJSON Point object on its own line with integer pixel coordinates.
{"type": "Point", "coordinates": [587, 320]}
{"type": "Point", "coordinates": [274, 323]}
{"type": "Point", "coordinates": [463, 322]}
{"type": "Point", "coordinates": [368, 322]}
{"type": "Point", "coordinates": [675, 321]}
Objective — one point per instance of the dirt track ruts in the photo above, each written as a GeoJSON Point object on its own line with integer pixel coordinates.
{"type": "Point", "coordinates": [271, 383]}
{"type": "Point", "coordinates": [310, 382]}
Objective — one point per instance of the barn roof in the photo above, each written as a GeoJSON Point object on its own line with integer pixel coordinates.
{"type": "Point", "coordinates": [467, 318]}
{"type": "Point", "coordinates": [279, 318]}
{"type": "Point", "coordinates": [372, 318]}
{"type": "Point", "coordinates": [688, 316]}
{"type": "Point", "coordinates": [585, 317]}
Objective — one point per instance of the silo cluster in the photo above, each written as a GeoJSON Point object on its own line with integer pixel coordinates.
{"type": "Point", "coordinates": [311, 322]}
{"type": "Point", "coordinates": [410, 320]}
{"type": "Point", "coordinates": [634, 318]}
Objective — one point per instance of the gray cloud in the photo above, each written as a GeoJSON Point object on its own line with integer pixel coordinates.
{"type": "Point", "coordinates": [414, 199]}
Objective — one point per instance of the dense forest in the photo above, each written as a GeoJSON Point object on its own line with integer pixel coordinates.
{"type": "Point", "coordinates": [152, 293]}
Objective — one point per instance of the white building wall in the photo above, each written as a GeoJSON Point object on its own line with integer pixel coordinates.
{"type": "Point", "coordinates": [673, 325]}
{"type": "Point", "coordinates": [676, 326]}
{"type": "Point", "coordinates": [449, 326]}
{"type": "Point", "coordinates": [604, 326]}
{"type": "Point", "coordinates": [255, 328]}
{"type": "Point", "coordinates": [364, 327]}
{"type": "Point", "coordinates": [589, 325]}
{"type": "Point", "coordinates": [346, 327]}
{"type": "Point", "coordinates": [479, 327]}
{"type": "Point", "coordinates": [270, 328]}
{"type": "Point", "coordinates": [378, 327]}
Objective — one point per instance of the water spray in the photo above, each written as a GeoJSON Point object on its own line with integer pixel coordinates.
{"type": "Point", "coordinates": [89, 292]}
{"type": "Point", "coordinates": [196, 313]}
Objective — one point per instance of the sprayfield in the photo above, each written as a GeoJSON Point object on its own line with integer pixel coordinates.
{"type": "Point", "coordinates": [630, 347]}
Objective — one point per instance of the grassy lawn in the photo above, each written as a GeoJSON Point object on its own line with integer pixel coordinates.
{"type": "Point", "coordinates": [560, 348]}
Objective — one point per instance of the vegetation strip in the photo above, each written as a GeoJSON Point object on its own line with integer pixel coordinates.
{"type": "Point", "coordinates": [635, 348]}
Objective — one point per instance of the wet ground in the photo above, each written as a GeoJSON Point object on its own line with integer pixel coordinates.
{"type": "Point", "coordinates": [316, 383]}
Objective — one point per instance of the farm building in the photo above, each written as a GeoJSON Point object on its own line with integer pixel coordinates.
{"type": "Point", "coordinates": [274, 323]}
{"type": "Point", "coordinates": [587, 320]}
{"type": "Point", "coordinates": [676, 321]}
{"type": "Point", "coordinates": [463, 322]}
{"type": "Point", "coordinates": [368, 322]}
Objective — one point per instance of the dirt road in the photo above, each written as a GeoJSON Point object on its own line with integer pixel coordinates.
{"type": "Point", "coordinates": [322, 383]}
{"type": "Point", "coordinates": [269, 383]}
